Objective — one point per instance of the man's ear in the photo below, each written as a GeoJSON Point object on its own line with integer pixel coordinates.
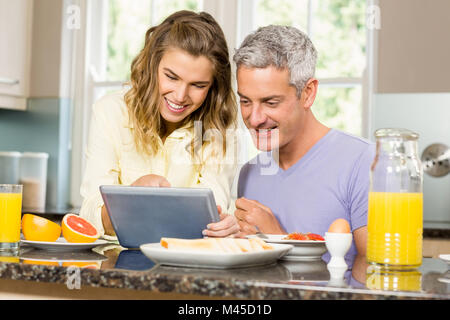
{"type": "Point", "coordinates": [309, 93]}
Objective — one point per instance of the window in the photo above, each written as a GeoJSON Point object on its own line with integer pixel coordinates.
{"type": "Point", "coordinates": [337, 29]}
{"type": "Point", "coordinates": [123, 34]}
{"type": "Point", "coordinates": [127, 23]}
{"type": "Point", "coordinates": [113, 35]}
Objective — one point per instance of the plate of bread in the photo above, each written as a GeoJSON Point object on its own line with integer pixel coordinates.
{"type": "Point", "coordinates": [218, 253]}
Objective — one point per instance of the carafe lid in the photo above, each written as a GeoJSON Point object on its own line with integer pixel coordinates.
{"type": "Point", "coordinates": [396, 133]}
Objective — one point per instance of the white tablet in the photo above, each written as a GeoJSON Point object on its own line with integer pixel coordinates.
{"type": "Point", "coordinates": [146, 214]}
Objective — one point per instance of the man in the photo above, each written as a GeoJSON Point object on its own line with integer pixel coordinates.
{"type": "Point", "coordinates": [321, 174]}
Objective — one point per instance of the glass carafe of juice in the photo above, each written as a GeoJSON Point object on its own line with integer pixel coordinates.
{"type": "Point", "coordinates": [393, 280]}
{"type": "Point", "coordinates": [395, 216]}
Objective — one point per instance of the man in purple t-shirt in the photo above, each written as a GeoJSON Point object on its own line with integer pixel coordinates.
{"type": "Point", "coordinates": [308, 175]}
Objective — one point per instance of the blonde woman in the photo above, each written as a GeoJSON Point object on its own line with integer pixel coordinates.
{"type": "Point", "coordinates": [152, 134]}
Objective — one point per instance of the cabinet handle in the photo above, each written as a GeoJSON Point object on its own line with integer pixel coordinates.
{"type": "Point", "coordinates": [8, 81]}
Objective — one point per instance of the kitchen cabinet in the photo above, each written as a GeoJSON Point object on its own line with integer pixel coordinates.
{"type": "Point", "coordinates": [16, 22]}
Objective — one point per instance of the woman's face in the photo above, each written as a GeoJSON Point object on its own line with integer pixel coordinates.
{"type": "Point", "coordinates": [184, 82]}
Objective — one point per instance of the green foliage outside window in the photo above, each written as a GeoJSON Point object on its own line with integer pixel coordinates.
{"type": "Point", "coordinates": [166, 7]}
{"type": "Point", "coordinates": [128, 22]}
{"type": "Point", "coordinates": [339, 34]}
{"type": "Point", "coordinates": [339, 108]}
{"type": "Point", "coordinates": [283, 12]}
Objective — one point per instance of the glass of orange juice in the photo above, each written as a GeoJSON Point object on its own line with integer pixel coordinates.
{"type": "Point", "coordinates": [395, 213]}
{"type": "Point", "coordinates": [10, 215]}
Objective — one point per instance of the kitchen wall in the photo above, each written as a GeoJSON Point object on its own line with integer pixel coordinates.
{"type": "Point", "coordinates": [414, 46]}
{"type": "Point", "coordinates": [43, 127]}
{"type": "Point", "coordinates": [46, 124]}
{"type": "Point", "coordinates": [413, 85]}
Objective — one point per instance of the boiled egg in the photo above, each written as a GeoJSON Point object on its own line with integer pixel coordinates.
{"type": "Point", "coordinates": [339, 226]}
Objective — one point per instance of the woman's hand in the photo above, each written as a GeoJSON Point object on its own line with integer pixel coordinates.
{"type": "Point", "coordinates": [227, 226]}
{"type": "Point", "coordinates": [151, 180]}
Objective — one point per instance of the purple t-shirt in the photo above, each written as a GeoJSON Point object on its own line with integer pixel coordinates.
{"type": "Point", "coordinates": [330, 181]}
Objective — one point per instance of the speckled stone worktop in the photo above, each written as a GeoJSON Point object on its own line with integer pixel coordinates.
{"type": "Point", "coordinates": [111, 266]}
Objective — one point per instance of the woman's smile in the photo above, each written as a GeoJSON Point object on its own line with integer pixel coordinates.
{"type": "Point", "coordinates": [173, 107]}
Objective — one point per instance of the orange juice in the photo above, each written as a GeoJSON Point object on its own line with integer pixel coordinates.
{"type": "Point", "coordinates": [10, 211]}
{"type": "Point", "coordinates": [384, 279]}
{"type": "Point", "coordinates": [395, 225]}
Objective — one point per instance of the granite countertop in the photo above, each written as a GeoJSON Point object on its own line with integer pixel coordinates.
{"type": "Point", "coordinates": [111, 266]}
{"type": "Point", "coordinates": [436, 230]}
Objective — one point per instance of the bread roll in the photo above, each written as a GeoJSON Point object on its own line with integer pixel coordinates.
{"type": "Point", "coordinates": [228, 244]}
{"type": "Point", "coordinates": [216, 245]}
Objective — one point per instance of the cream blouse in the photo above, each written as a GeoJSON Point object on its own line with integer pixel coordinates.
{"type": "Point", "coordinates": [112, 159]}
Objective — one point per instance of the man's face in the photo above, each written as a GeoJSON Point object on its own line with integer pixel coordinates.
{"type": "Point", "coordinates": [270, 107]}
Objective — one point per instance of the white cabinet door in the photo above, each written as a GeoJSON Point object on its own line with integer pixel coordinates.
{"type": "Point", "coordinates": [15, 54]}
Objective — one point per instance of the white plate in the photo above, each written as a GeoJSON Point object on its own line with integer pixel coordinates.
{"type": "Point", "coordinates": [445, 257]}
{"type": "Point", "coordinates": [62, 245]}
{"type": "Point", "coordinates": [304, 250]}
{"type": "Point", "coordinates": [161, 255]}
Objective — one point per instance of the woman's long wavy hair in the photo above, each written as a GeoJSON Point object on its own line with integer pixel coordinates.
{"type": "Point", "coordinates": [199, 35]}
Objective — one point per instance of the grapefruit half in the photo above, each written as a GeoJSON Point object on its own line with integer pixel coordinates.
{"type": "Point", "coordinates": [42, 262]}
{"type": "Point", "coordinates": [36, 228]}
{"type": "Point", "coordinates": [79, 230]}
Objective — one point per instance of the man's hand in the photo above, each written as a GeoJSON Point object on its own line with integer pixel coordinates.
{"type": "Point", "coordinates": [151, 180]}
{"type": "Point", "coordinates": [227, 226]}
{"type": "Point", "coordinates": [254, 217]}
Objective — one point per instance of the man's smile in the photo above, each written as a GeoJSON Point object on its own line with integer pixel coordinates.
{"type": "Point", "coordinates": [265, 132]}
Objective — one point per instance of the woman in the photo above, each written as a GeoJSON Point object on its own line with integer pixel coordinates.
{"type": "Point", "coordinates": [149, 135]}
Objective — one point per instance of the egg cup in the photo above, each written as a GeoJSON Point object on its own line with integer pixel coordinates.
{"type": "Point", "coordinates": [337, 244]}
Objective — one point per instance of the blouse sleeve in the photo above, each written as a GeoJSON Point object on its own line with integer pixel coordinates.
{"type": "Point", "coordinates": [218, 172]}
{"type": "Point", "coordinates": [101, 162]}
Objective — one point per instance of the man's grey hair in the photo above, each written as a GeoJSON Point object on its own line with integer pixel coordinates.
{"type": "Point", "coordinates": [281, 47]}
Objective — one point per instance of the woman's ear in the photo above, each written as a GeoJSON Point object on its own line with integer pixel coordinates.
{"type": "Point", "coordinates": [309, 93]}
